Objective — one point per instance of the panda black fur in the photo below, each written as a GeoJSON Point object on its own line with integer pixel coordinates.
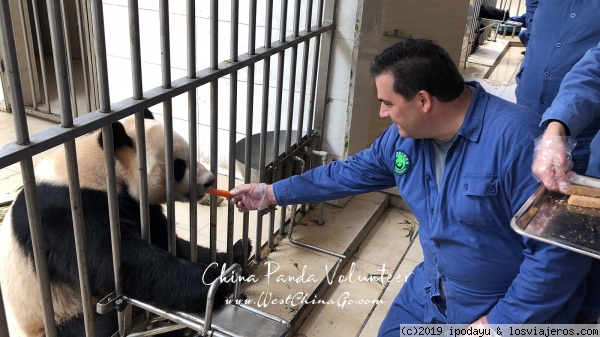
{"type": "Point", "coordinates": [149, 273]}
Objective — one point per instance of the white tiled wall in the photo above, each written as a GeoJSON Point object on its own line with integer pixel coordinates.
{"type": "Point", "coordinates": [350, 117]}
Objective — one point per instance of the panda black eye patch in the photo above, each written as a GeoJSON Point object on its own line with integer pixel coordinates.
{"type": "Point", "coordinates": [179, 166]}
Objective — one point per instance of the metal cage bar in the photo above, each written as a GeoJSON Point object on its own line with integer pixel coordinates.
{"type": "Point", "coordinates": [214, 121]}
{"type": "Point", "coordinates": [165, 48]}
{"type": "Point", "coordinates": [84, 58]}
{"type": "Point", "coordinates": [329, 10]}
{"type": "Point", "coordinates": [109, 113]}
{"type": "Point", "coordinates": [315, 70]}
{"type": "Point", "coordinates": [304, 73]}
{"type": "Point", "coordinates": [22, 135]}
{"type": "Point", "coordinates": [249, 118]}
{"type": "Point", "coordinates": [136, 75]}
{"type": "Point", "coordinates": [235, 5]}
{"type": "Point", "coordinates": [288, 167]}
{"type": "Point", "coordinates": [56, 15]}
{"type": "Point", "coordinates": [108, 146]}
{"type": "Point", "coordinates": [47, 139]}
{"type": "Point", "coordinates": [28, 55]}
{"type": "Point", "coordinates": [38, 34]}
{"type": "Point", "coordinates": [277, 127]}
{"type": "Point", "coordinates": [192, 127]}
{"type": "Point", "coordinates": [67, 47]}
{"type": "Point", "coordinates": [264, 116]}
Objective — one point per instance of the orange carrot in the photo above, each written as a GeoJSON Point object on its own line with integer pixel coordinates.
{"type": "Point", "coordinates": [221, 193]}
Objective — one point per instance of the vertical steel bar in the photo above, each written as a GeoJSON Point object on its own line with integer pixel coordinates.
{"type": "Point", "coordinates": [78, 230]}
{"type": "Point", "coordinates": [84, 57]}
{"type": "Point", "coordinates": [108, 146]}
{"type": "Point", "coordinates": [214, 121]}
{"type": "Point", "coordinates": [92, 68]}
{"type": "Point", "coordinates": [293, 63]}
{"type": "Point", "coordinates": [320, 13]}
{"type": "Point", "coordinates": [113, 213]}
{"type": "Point", "coordinates": [136, 74]}
{"type": "Point", "coordinates": [55, 17]}
{"type": "Point", "coordinates": [309, 10]}
{"type": "Point", "coordinates": [60, 58]}
{"type": "Point", "coordinates": [249, 120]}
{"type": "Point", "coordinates": [41, 52]}
{"type": "Point", "coordinates": [304, 73]}
{"type": "Point", "coordinates": [28, 55]}
{"type": "Point", "coordinates": [306, 49]}
{"type": "Point", "coordinates": [20, 122]}
{"type": "Point", "coordinates": [165, 47]}
{"type": "Point", "coordinates": [263, 121]}
{"type": "Point", "coordinates": [35, 227]}
{"type": "Point", "coordinates": [277, 126]}
{"type": "Point", "coordinates": [100, 45]}
{"type": "Point", "coordinates": [192, 127]}
{"type": "Point", "coordinates": [292, 84]}
{"type": "Point", "coordinates": [315, 65]}
{"type": "Point", "coordinates": [235, 8]}
{"type": "Point", "coordinates": [323, 73]}
{"type": "Point", "coordinates": [288, 168]}
{"type": "Point", "coordinates": [67, 47]}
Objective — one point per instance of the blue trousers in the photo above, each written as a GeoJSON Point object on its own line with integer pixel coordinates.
{"type": "Point", "coordinates": [420, 302]}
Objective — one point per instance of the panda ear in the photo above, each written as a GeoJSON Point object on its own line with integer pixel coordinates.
{"type": "Point", "coordinates": [120, 137]}
{"type": "Point", "coordinates": [148, 114]}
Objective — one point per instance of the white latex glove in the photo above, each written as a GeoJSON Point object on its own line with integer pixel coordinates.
{"type": "Point", "coordinates": [552, 162]}
{"type": "Point", "coordinates": [250, 197]}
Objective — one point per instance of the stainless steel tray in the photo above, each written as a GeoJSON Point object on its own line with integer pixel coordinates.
{"type": "Point", "coordinates": [547, 217]}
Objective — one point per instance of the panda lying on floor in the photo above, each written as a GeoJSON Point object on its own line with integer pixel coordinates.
{"type": "Point", "coordinates": [149, 273]}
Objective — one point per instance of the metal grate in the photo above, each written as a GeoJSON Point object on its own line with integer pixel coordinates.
{"type": "Point", "coordinates": [98, 111]}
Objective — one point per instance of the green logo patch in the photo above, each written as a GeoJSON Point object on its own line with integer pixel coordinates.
{"type": "Point", "coordinates": [401, 163]}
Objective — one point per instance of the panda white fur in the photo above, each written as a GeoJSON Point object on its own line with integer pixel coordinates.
{"type": "Point", "coordinates": [149, 272]}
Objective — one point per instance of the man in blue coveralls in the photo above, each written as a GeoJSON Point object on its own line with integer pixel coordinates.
{"type": "Point", "coordinates": [563, 31]}
{"type": "Point", "coordinates": [461, 160]}
{"type": "Point", "coordinates": [575, 107]}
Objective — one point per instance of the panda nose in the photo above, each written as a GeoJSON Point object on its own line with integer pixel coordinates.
{"type": "Point", "coordinates": [209, 182]}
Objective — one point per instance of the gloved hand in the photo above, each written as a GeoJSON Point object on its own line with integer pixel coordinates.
{"type": "Point", "coordinates": [552, 162]}
{"type": "Point", "coordinates": [250, 197]}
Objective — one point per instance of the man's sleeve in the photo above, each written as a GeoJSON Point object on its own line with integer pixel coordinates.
{"type": "Point", "coordinates": [578, 101]}
{"type": "Point", "coordinates": [366, 171]}
{"type": "Point", "coordinates": [549, 275]}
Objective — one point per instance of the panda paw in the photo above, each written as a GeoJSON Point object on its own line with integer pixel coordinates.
{"type": "Point", "coordinates": [238, 252]}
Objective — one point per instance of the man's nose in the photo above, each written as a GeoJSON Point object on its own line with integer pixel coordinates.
{"type": "Point", "coordinates": [383, 111]}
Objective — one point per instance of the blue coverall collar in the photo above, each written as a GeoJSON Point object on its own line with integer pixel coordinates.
{"type": "Point", "coordinates": [473, 123]}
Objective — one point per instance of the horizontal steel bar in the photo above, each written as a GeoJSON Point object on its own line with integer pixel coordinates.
{"type": "Point", "coordinates": [189, 320]}
{"type": "Point", "coordinates": [54, 136]}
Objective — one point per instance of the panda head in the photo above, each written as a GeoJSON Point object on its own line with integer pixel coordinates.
{"type": "Point", "coordinates": [155, 160]}
{"type": "Point", "coordinates": [92, 174]}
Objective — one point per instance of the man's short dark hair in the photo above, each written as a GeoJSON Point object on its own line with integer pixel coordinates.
{"type": "Point", "coordinates": [420, 64]}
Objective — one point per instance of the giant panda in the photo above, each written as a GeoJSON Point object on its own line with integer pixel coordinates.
{"type": "Point", "coordinates": [149, 273]}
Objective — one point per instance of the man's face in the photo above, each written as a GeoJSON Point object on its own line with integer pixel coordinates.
{"type": "Point", "coordinates": [407, 115]}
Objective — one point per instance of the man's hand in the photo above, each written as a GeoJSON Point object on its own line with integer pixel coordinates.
{"type": "Point", "coordinates": [552, 159]}
{"type": "Point", "coordinates": [250, 197]}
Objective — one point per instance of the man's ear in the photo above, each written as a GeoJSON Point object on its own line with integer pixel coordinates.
{"type": "Point", "coordinates": [425, 101]}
